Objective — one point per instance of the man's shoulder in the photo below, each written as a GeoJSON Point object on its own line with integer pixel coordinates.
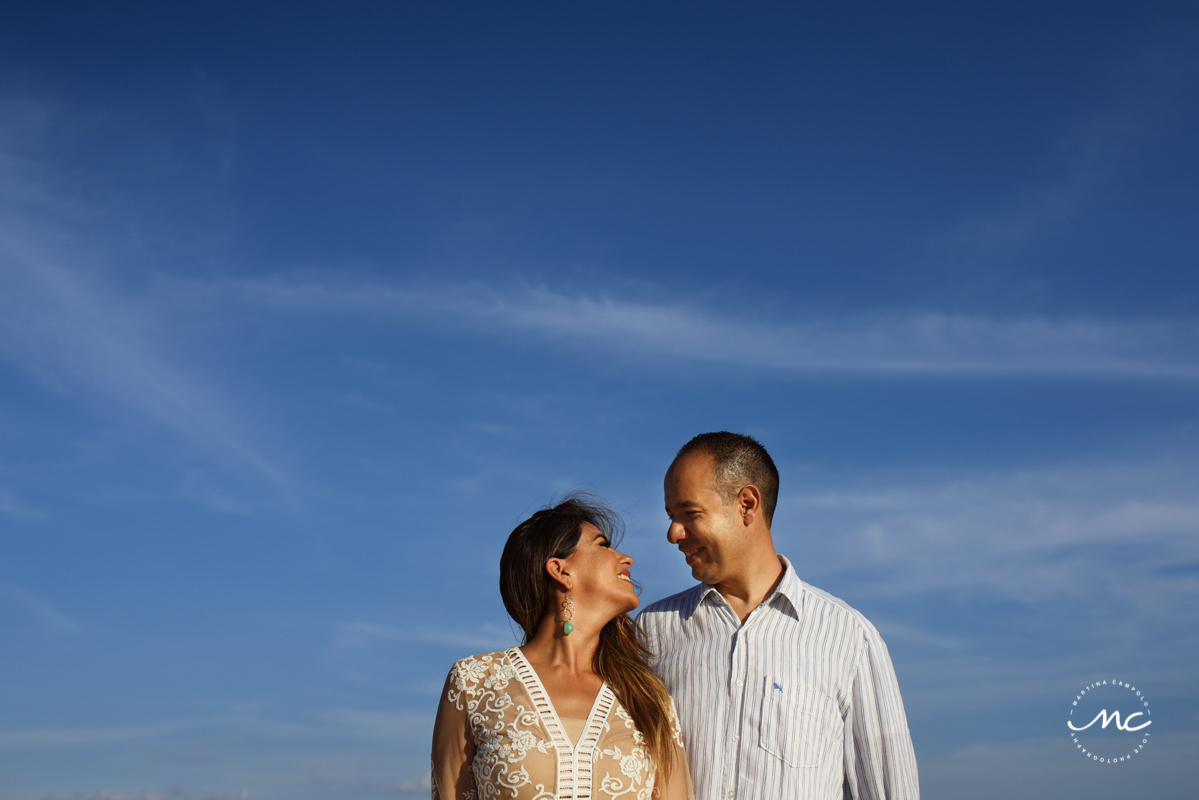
{"type": "Point", "coordinates": [681, 603]}
{"type": "Point", "coordinates": [820, 603]}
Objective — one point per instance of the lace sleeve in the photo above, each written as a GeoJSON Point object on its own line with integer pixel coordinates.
{"type": "Point", "coordinates": [678, 786]}
{"type": "Point", "coordinates": [453, 744]}
{"type": "Point", "coordinates": [676, 730]}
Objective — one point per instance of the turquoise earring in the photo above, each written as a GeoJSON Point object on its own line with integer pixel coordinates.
{"type": "Point", "coordinates": [568, 613]}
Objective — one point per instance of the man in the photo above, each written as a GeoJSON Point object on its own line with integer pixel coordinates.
{"type": "Point", "coordinates": [783, 690]}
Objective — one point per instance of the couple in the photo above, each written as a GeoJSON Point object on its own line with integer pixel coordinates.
{"type": "Point", "coordinates": [779, 689]}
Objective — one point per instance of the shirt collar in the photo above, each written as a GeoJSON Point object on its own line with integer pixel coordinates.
{"type": "Point", "coordinates": [790, 588]}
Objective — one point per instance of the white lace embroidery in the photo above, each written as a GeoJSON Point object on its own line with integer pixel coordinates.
{"type": "Point", "coordinates": [521, 749]}
{"type": "Point", "coordinates": [635, 765]}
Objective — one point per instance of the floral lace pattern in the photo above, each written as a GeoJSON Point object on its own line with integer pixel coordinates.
{"type": "Point", "coordinates": [521, 749]}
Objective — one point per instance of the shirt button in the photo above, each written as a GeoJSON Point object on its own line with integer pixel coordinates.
{"type": "Point", "coordinates": [736, 737]}
{"type": "Point", "coordinates": [739, 683]}
{"type": "Point", "coordinates": [731, 794]}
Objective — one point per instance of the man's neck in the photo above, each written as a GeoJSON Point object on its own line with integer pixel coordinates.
{"type": "Point", "coordinates": [746, 590]}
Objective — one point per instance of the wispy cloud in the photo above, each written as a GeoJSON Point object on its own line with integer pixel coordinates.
{"type": "Point", "coordinates": [46, 614]}
{"type": "Point", "coordinates": [11, 505]}
{"type": "Point", "coordinates": [1094, 154]}
{"type": "Point", "coordinates": [1051, 767]}
{"type": "Point", "coordinates": [185, 757]}
{"type": "Point", "coordinates": [876, 344]}
{"type": "Point", "coordinates": [379, 724]}
{"type": "Point", "coordinates": [70, 737]}
{"type": "Point", "coordinates": [352, 751]}
{"type": "Point", "coordinates": [1031, 534]}
{"type": "Point", "coordinates": [419, 785]}
{"type": "Point", "coordinates": [1090, 155]}
{"type": "Point", "coordinates": [62, 321]}
{"type": "Point", "coordinates": [365, 635]}
{"type": "Point", "coordinates": [175, 793]}
{"type": "Point", "coordinates": [70, 331]}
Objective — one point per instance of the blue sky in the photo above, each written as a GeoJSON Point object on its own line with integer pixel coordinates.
{"type": "Point", "coordinates": [303, 309]}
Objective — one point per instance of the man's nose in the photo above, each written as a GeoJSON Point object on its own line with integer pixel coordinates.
{"type": "Point", "coordinates": [674, 533]}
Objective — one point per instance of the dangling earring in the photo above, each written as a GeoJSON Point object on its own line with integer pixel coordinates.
{"type": "Point", "coordinates": [568, 613]}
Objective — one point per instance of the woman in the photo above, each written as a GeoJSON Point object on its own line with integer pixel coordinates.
{"type": "Point", "coordinates": [575, 712]}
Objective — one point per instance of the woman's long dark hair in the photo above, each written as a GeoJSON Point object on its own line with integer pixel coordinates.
{"type": "Point", "coordinates": [620, 659]}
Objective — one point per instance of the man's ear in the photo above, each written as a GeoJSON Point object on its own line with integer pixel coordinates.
{"type": "Point", "coordinates": [559, 571]}
{"type": "Point", "coordinates": [749, 504]}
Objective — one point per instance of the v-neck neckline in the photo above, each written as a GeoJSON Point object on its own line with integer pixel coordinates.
{"type": "Point", "coordinates": [574, 776]}
{"type": "Point", "coordinates": [604, 700]}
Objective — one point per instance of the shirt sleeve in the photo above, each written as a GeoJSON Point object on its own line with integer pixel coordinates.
{"type": "Point", "coordinates": [880, 763]}
{"type": "Point", "coordinates": [453, 745]}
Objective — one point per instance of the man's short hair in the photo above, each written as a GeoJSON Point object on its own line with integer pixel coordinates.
{"type": "Point", "coordinates": [738, 461]}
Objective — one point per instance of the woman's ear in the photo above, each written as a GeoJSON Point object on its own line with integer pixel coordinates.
{"type": "Point", "coordinates": [559, 571]}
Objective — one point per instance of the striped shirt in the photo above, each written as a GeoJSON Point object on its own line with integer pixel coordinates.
{"type": "Point", "coordinates": [801, 701]}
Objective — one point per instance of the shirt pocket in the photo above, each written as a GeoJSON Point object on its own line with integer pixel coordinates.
{"type": "Point", "coordinates": [797, 722]}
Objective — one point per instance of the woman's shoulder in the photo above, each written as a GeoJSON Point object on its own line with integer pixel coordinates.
{"type": "Point", "coordinates": [481, 674]}
{"type": "Point", "coordinates": [482, 668]}
{"type": "Point", "coordinates": [495, 657]}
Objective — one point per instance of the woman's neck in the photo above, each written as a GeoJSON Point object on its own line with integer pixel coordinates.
{"type": "Point", "coordinates": [574, 652]}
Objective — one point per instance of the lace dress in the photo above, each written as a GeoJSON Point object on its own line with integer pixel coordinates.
{"type": "Point", "coordinates": [499, 737]}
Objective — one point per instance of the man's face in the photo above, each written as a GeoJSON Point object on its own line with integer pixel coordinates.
{"type": "Point", "coordinates": [705, 530]}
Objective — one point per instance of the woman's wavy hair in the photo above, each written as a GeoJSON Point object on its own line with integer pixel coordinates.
{"type": "Point", "coordinates": [620, 659]}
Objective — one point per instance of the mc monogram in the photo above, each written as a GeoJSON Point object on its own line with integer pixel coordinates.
{"type": "Point", "coordinates": [1124, 726]}
{"type": "Point", "coordinates": [1099, 743]}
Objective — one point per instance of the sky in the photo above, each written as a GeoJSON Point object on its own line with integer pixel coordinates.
{"type": "Point", "coordinates": [303, 307]}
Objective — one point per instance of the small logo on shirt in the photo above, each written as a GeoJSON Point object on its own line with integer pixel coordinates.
{"type": "Point", "coordinates": [777, 687]}
{"type": "Point", "coordinates": [1109, 721]}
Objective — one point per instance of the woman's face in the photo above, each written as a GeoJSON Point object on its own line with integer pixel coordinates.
{"type": "Point", "coordinates": [601, 574]}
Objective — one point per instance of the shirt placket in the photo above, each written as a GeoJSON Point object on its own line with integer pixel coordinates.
{"type": "Point", "coordinates": [735, 734]}
{"type": "Point", "coordinates": [739, 737]}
